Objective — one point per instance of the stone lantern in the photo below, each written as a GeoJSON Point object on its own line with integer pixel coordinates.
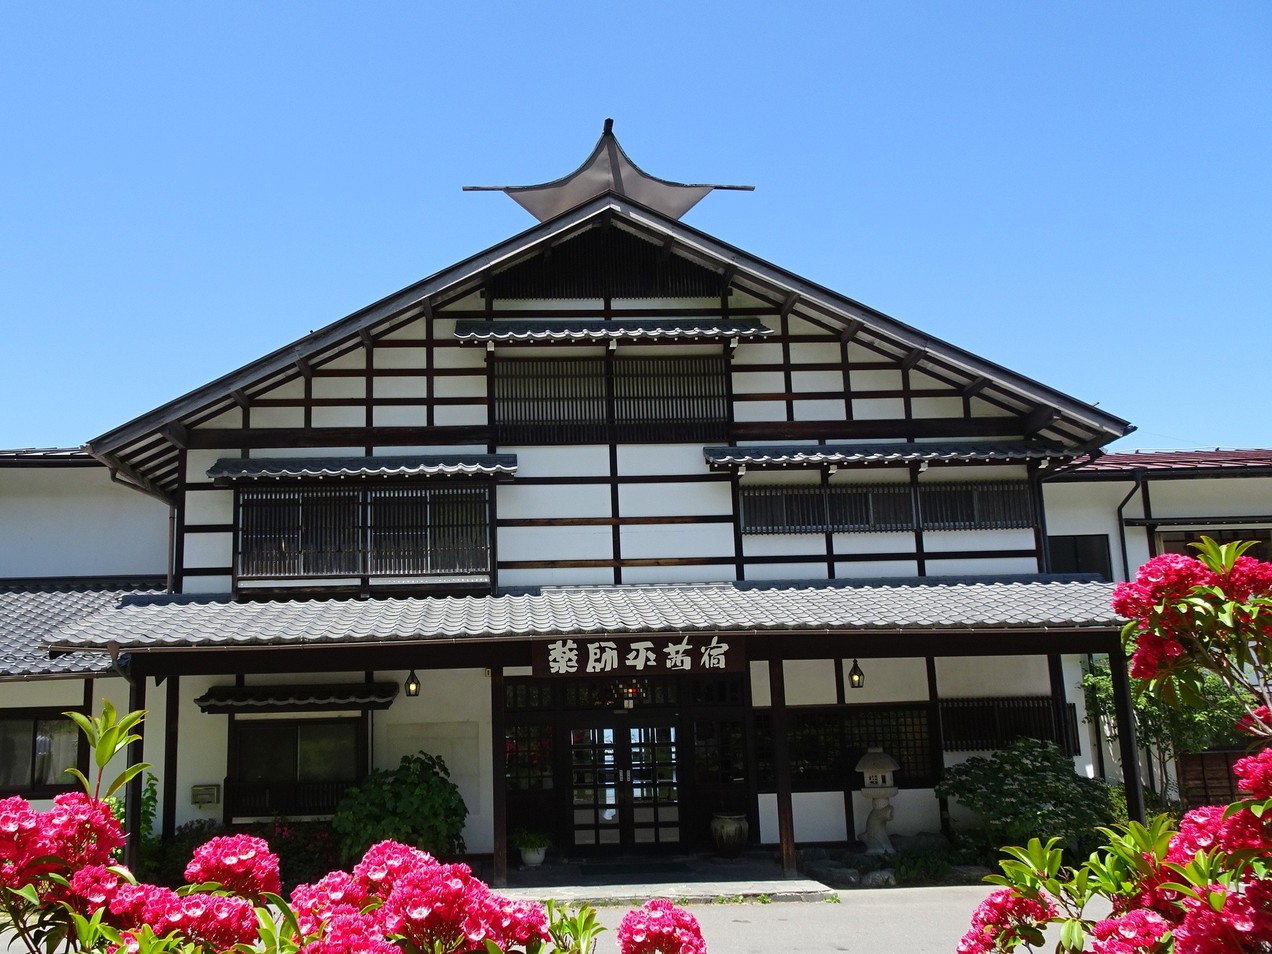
{"type": "Point", "coordinates": [877, 766]}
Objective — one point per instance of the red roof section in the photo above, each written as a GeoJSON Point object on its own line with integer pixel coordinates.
{"type": "Point", "coordinates": [1176, 460]}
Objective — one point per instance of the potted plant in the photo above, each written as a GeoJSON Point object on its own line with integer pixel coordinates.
{"type": "Point", "coordinates": [532, 845]}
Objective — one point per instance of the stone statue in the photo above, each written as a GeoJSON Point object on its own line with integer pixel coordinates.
{"type": "Point", "coordinates": [876, 834]}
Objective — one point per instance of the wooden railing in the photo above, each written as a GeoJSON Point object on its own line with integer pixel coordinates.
{"type": "Point", "coordinates": [264, 799]}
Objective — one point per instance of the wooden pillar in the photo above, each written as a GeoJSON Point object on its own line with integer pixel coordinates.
{"type": "Point", "coordinates": [171, 712]}
{"type": "Point", "coordinates": [135, 754]}
{"type": "Point", "coordinates": [1124, 712]}
{"type": "Point", "coordinates": [782, 768]}
{"type": "Point", "coordinates": [1059, 702]}
{"type": "Point", "coordinates": [937, 733]}
{"type": "Point", "coordinates": [499, 772]}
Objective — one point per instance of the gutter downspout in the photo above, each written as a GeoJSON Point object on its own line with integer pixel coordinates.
{"type": "Point", "coordinates": [1140, 477]}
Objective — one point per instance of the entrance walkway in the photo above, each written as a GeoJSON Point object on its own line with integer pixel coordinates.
{"type": "Point", "coordinates": [687, 878]}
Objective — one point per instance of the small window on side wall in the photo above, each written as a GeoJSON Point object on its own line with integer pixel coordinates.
{"type": "Point", "coordinates": [1081, 553]}
{"type": "Point", "coordinates": [37, 746]}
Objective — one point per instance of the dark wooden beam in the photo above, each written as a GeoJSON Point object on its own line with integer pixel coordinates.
{"type": "Point", "coordinates": [368, 339]}
{"type": "Point", "coordinates": [787, 304]}
{"type": "Point", "coordinates": [727, 276]}
{"type": "Point", "coordinates": [171, 750]}
{"type": "Point", "coordinates": [305, 368]}
{"type": "Point", "coordinates": [664, 253]}
{"type": "Point", "coordinates": [1039, 419]}
{"type": "Point", "coordinates": [136, 754]}
{"type": "Point", "coordinates": [913, 358]}
{"type": "Point", "coordinates": [499, 774]}
{"type": "Point", "coordinates": [975, 386]}
{"type": "Point", "coordinates": [233, 438]}
{"type": "Point", "coordinates": [849, 430]}
{"type": "Point", "coordinates": [853, 326]}
{"type": "Point", "coordinates": [1128, 744]}
{"type": "Point", "coordinates": [176, 434]}
{"type": "Point", "coordinates": [240, 398]}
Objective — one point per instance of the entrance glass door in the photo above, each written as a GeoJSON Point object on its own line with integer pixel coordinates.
{"type": "Point", "coordinates": [625, 789]}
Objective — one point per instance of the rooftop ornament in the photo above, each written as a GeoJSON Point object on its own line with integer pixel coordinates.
{"type": "Point", "coordinates": [607, 169]}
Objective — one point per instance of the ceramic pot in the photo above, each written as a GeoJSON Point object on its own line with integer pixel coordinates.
{"type": "Point", "coordinates": [729, 833]}
{"type": "Point", "coordinates": [532, 857]}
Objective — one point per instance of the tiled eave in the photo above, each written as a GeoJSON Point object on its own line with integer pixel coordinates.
{"type": "Point", "coordinates": [183, 622]}
{"type": "Point", "coordinates": [231, 470]}
{"type": "Point", "coordinates": [795, 456]}
{"type": "Point", "coordinates": [642, 330]}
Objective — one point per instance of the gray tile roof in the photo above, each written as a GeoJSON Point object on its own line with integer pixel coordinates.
{"type": "Point", "coordinates": [635, 329]}
{"type": "Point", "coordinates": [796, 455]}
{"type": "Point", "coordinates": [290, 698]}
{"type": "Point", "coordinates": [180, 622]}
{"type": "Point", "coordinates": [447, 465]}
{"type": "Point", "coordinates": [30, 611]}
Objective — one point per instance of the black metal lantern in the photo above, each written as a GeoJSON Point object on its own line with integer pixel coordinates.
{"type": "Point", "coordinates": [856, 678]}
{"type": "Point", "coordinates": [412, 685]}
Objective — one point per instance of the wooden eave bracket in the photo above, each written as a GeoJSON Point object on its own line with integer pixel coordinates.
{"type": "Point", "coordinates": [975, 386]}
{"type": "Point", "coordinates": [239, 396]}
{"type": "Point", "coordinates": [787, 304]}
{"type": "Point", "coordinates": [913, 358]}
{"type": "Point", "coordinates": [1039, 419]}
{"type": "Point", "coordinates": [853, 326]}
{"type": "Point", "coordinates": [176, 434]}
{"type": "Point", "coordinates": [305, 368]}
{"type": "Point", "coordinates": [121, 473]}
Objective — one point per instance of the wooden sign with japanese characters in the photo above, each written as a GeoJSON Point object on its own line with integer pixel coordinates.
{"type": "Point", "coordinates": [701, 654]}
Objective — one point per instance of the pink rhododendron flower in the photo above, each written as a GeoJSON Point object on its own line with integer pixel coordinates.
{"type": "Point", "coordinates": [1237, 928]}
{"type": "Point", "coordinates": [998, 918]}
{"type": "Point", "coordinates": [1254, 774]}
{"type": "Point", "coordinates": [242, 864]}
{"type": "Point", "coordinates": [1135, 932]}
{"type": "Point", "coordinates": [1163, 579]}
{"type": "Point", "coordinates": [384, 862]}
{"type": "Point", "coordinates": [350, 933]}
{"type": "Point", "coordinates": [1205, 829]}
{"type": "Point", "coordinates": [336, 893]}
{"type": "Point", "coordinates": [659, 927]}
{"type": "Point", "coordinates": [1249, 577]}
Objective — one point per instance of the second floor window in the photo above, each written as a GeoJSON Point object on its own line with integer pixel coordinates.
{"type": "Point", "coordinates": [598, 400]}
{"type": "Point", "coordinates": [398, 531]}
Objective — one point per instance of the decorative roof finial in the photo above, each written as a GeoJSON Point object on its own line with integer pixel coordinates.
{"type": "Point", "coordinates": [607, 169]}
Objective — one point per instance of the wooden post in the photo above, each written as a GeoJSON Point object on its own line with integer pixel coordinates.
{"type": "Point", "coordinates": [1127, 742]}
{"type": "Point", "coordinates": [135, 754]}
{"type": "Point", "coordinates": [171, 713]}
{"type": "Point", "coordinates": [782, 768]}
{"type": "Point", "coordinates": [499, 771]}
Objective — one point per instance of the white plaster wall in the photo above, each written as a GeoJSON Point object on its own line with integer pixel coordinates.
{"type": "Point", "coordinates": [324, 388]}
{"type": "Point", "coordinates": [812, 570]}
{"type": "Point", "coordinates": [401, 386]}
{"type": "Point", "coordinates": [410, 358]}
{"type": "Point", "coordinates": [992, 676]}
{"type": "Point", "coordinates": [888, 542]}
{"type": "Point", "coordinates": [759, 675]}
{"type": "Point", "coordinates": [284, 417]}
{"type": "Point", "coordinates": [450, 718]}
{"type": "Point", "coordinates": [351, 416]}
{"type": "Point", "coordinates": [207, 584]}
{"type": "Point", "coordinates": [888, 680]}
{"type": "Point", "coordinates": [567, 576]}
{"type": "Point", "coordinates": [73, 521]}
{"type": "Point", "coordinates": [982, 567]}
{"type": "Point", "coordinates": [674, 500]}
{"type": "Point", "coordinates": [878, 409]}
{"type": "Point", "coordinates": [677, 540]}
{"type": "Point", "coordinates": [809, 682]}
{"type": "Point", "coordinates": [822, 410]}
{"type": "Point", "coordinates": [528, 501]}
{"type": "Point", "coordinates": [555, 543]}
{"type": "Point", "coordinates": [758, 354]}
{"type": "Point", "coordinates": [413, 415]}
{"type": "Point", "coordinates": [209, 549]}
{"type": "Point", "coordinates": [751, 411]}
{"type": "Point", "coordinates": [643, 459]}
{"type": "Point", "coordinates": [814, 352]}
{"type": "Point", "coordinates": [782, 544]}
{"type": "Point", "coordinates": [579, 460]}
{"type": "Point", "coordinates": [209, 506]}
{"type": "Point", "coordinates": [1211, 497]}
{"type": "Point", "coordinates": [718, 572]}
{"type": "Point", "coordinates": [875, 569]}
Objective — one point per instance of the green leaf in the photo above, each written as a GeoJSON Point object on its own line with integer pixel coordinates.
{"type": "Point", "coordinates": [126, 776]}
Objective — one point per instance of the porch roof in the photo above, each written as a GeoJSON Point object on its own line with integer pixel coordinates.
{"type": "Point", "coordinates": [306, 698]}
{"type": "Point", "coordinates": [171, 623]}
{"type": "Point", "coordinates": [30, 610]}
{"type": "Point", "coordinates": [476, 331]}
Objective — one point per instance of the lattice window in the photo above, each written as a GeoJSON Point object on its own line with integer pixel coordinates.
{"type": "Point", "coordinates": [878, 508]}
{"type": "Point", "coordinates": [825, 744]}
{"type": "Point", "coordinates": [985, 724]}
{"type": "Point", "coordinates": [529, 757]}
{"type": "Point", "coordinates": [592, 400]}
{"type": "Point", "coordinates": [401, 531]}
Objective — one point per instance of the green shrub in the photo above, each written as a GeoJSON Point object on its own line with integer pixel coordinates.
{"type": "Point", "coordinates": [1029, 790]}
{"type": "Point", "coordinates": [925, 866]}
{"type": "Point", "coordinates": [416, 803]}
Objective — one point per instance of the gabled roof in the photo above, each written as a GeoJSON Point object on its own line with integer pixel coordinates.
{"type": "Point", "coordinates": [144, 450]}
{"type": "Point", "coordinates": [170, 623]}
{"type": "Point", "coordinates": [32, 609]}
{"type": "Point", "coordinates": [1172, 463]}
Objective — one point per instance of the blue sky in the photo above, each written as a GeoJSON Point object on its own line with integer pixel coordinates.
{"type": "Point", "coordinates": [1079, 191]}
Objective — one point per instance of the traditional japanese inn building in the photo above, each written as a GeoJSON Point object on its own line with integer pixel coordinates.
{"type": "Point", "coordinates": [628, 525]}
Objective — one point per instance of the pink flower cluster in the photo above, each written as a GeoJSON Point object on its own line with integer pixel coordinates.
{"type": "Point", "coordinates": [1242, 924]}
{"type": "Point", "coordinates": [1133, 933]}
{"type": "Point", "coordinates": [998, 919]}
{"type": "Point", "coordinates": [1205, 829]}
{"type": "Point", "coordinates": [1254, 774]}
{"type": "Point", "coordinates": [659, 927]}
{"type": "Point", "coordinates": [76, 831]}
{"type": "Point", "coordinates": [1256, 723]}
{"type": "Point", "coordinates": [217, 920]}
{"type": "Point", "coordinates": [241, 864]}
{"type": "Point", "coordinates": [401, 893]}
